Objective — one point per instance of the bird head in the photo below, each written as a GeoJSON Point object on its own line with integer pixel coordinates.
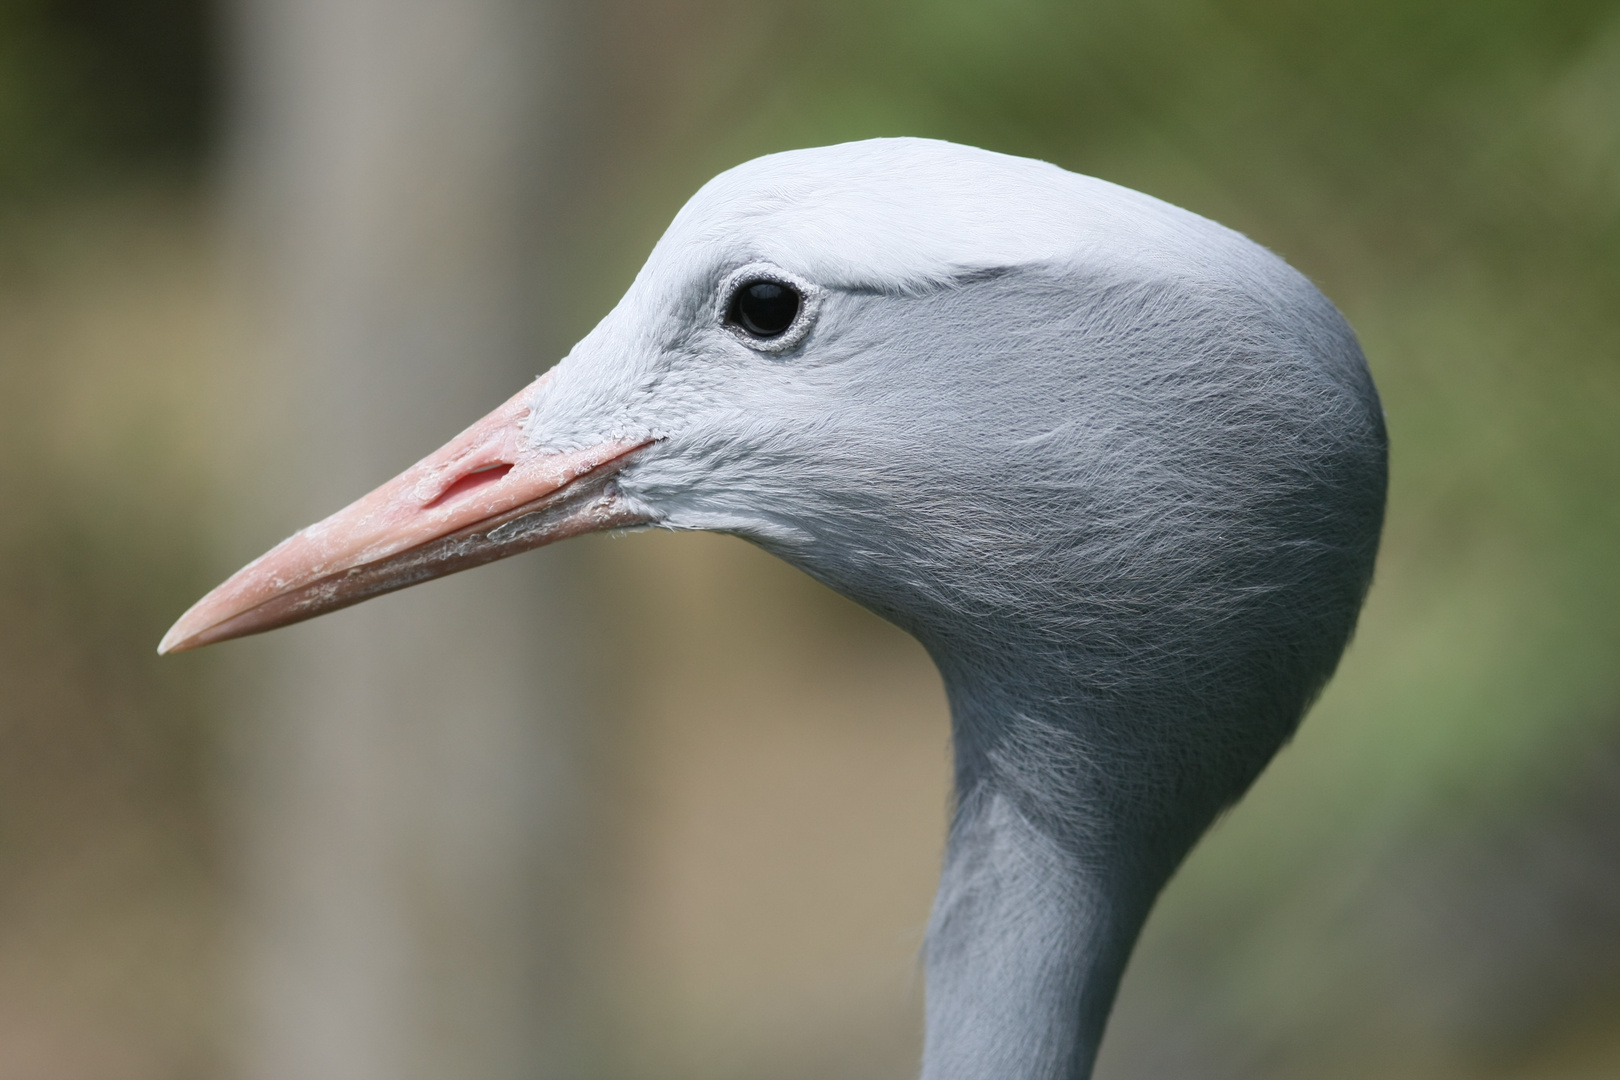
{"type": "Point", "coordinates": [1074, 439]}
{"type": "Point", "coordinates": [1119, 469]}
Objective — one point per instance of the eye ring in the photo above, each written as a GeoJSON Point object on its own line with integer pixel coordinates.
{"type": "Point", "coordinates": [778, 314]}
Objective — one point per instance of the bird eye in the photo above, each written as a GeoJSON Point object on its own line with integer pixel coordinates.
{"type": "Point", "coordinates": [765, 309]}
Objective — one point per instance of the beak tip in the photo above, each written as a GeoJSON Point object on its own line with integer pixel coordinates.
{"type": "Point", "coordinates": [182, 637]}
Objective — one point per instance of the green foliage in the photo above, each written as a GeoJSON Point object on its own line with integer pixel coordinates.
{"type": "Point", "coordinates": [90, 86]}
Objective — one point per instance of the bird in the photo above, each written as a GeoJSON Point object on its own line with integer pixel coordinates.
{"type": "Point", "coordinates": [1120, 469]}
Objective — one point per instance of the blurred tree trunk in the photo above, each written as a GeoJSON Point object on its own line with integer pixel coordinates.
{"type": "Point", "coordinates": [411, 822]}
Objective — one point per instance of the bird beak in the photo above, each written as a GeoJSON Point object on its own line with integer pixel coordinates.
{"type": "Point", "coordinates": [483, 496]}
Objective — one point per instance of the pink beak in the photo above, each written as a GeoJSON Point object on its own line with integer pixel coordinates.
{"type": "Point", "coordinates": [481, 497]}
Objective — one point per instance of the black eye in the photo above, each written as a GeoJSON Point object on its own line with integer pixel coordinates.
{"type": "Point", "coordinates": [764, 308]}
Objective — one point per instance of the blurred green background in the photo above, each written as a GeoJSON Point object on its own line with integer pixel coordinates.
{"type": "Point", "coordinates": [1425, 884]}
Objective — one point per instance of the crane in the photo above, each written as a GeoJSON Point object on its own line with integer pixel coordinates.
{"type": "Point", "coordinates": [1118, 468]}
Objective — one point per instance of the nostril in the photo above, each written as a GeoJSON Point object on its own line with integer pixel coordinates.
{"type": "Point", "coordinates": [471, 482]}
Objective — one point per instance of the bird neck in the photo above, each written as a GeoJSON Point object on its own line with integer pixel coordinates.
{"type": "Point", "coordinates": [1025, 950]}
{"type": "Point", "coordinates": [1052, 864]}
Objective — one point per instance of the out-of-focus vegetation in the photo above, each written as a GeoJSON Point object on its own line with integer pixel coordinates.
{"type": "Point", "coordinates": [1427, 884]}
{"type": "Point", "coordinates": [108, 906]}
{"type": "Point", "coordinates": [108, 914]}
{"type": "Point", "coordinates": [92, 88]}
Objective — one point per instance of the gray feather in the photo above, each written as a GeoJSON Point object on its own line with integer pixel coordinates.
{"type": "Point", "coordinates": [1118, 468]}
